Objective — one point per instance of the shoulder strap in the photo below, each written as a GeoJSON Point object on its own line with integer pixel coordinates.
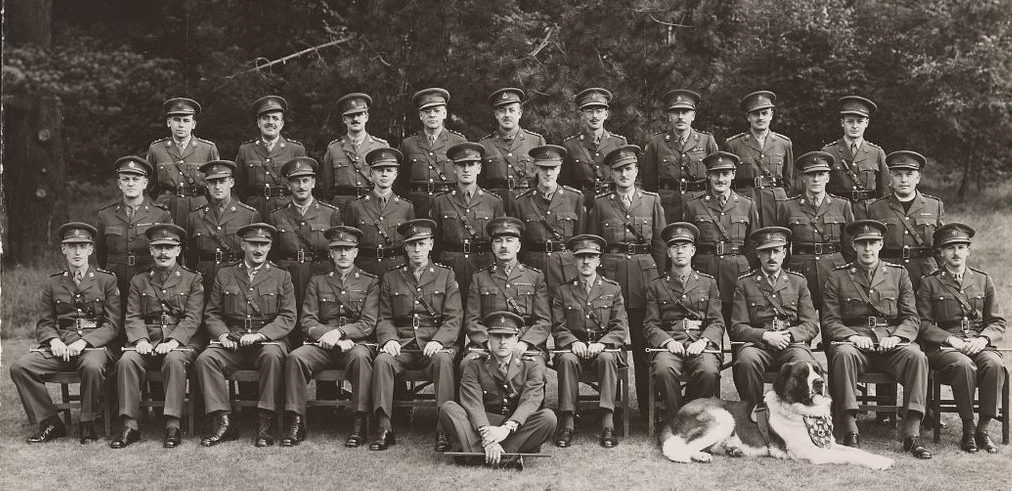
{"type": "Point", "coordinates": [720, 228]}
{"type": "Point", "coordinates": [460, 215]}
{"type": "Point", "coordinates": [910, 228]}
{"type": "Point", "coordinates": [628, 225]}
{"type": "Point", "coordinates": [245, 295]}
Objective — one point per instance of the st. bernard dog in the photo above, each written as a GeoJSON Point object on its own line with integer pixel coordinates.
{"type": "Point", "coordinates": [797, 425]}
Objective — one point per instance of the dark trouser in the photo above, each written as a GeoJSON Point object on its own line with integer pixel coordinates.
{"type": "Point", "coordinates": [907, 364]}
{"type": "Point", "coordinates": [386, 368]}
{"type": "Point", "coordinates": [983, 371]}
{"type": "Point", "coordinates": [726, 270]}
{"type": "Point", "coordinates": [752, 362]}
{"type": "Point", "coordinates": [701, 374]}
{"type": "Point", "coordinates": [28, 373]}
{"type": "Point", "coordinates": [673, 202]}
{"type": "Point", "coordinates": [765, 200]}
{"type": "Point", "coordinates": [130, 374]}
{"type": "Point", "coordinates": [306, 361]}
{"type": "Point", "coordinates": [208, 270]}
{"type": "Point", "coordinates": [641, 361]}
{"type": "Point", "coordinates": [215, 364]}
{"type": "Point", "coordinates": [528, 438]}
{"type": "Point", "coordinates": [569, 367]}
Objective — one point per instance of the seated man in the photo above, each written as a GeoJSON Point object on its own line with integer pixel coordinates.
{"type": "Point", "coordinates": [772, 315]}
{"type": "Point", "coordinates": [77, 330]}
{"type": "Point", "coordinates": [500, 399]}
{"type": "Point", "coordinates": [684, 318]}
{"type": "Point", "coordinates": [338, 314]}
{"type": "Point", "coordinates": [589, 317]}
{"type": "Point", "coordinates": [868, 311]}
{"type": "Point", "coordinates": [961, 322]}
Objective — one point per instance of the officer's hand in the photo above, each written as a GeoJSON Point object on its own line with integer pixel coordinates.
{"type": "Point", "coordinates": [58, 349]}
{"type": "Point", "coordinates": [345, 345]}
{"type": "Point", "coordinates": [494, 434]}
{"type": "Point", "coordinates": [143, 347]}
{"type": "Point", "coordinates": [889, 343]}
{"type": "Point", "coordinates": [392, 348]}
{"type": "Point", "coordinates": [521, 347]}
{"type": "Point", "coordinates": [493, 453]}
{"type": "Point", "coordinates": [579, 348]}
{"type": "Point", "coordinates": [776, 339]}
{"type": "Point", "coordinates": [330, 339]}
{"type": "Point", "coordinates": [166, 347]}
{"type": "Point", "coordinates": [226, 342]}
{"type": "Point", "coordinates": [862, 342]}
{"type": "Point", "coordinates": [675, 347]}
{"type": "Point", "coordinates": [249, 339]}
{"type": "Point", "coordinates": [976, 345]}
{"type": "Point", "coordinates": [957, 343]}
{"type": "Point", "coordinates": [431, 348]}
{"type": "Point", "coordinates": [75, 348]}
{"type": "Point", "coordinates": [696, 347]}
{"type": "Point", "coordinates": [595, 349]}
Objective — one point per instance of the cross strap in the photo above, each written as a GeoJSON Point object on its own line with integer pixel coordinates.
{"type": "Point", "coordinates": [910, 228]}
{"type": "Point", "coordinates": [460, 215]}
{"type": "Point", "coordinates": [245, 296]}
{"type": "Point", "coordinates": [720, 228]}
{"type": "Point", "coordinates": [629, 226]}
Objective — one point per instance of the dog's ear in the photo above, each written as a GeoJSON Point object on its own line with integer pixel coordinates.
{"type": "Point", "coordinates": [784, 383]}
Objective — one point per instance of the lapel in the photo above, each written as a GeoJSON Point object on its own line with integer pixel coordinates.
{"type": "Point", "coordinates": [690, 141]}
{"type": "Point", "coordinates": [917, 205]}
{"type": "Point", "coordinates": [428, 275]}
{"type": "Point", "coordinates": [279, 147]}
{"type": "Point", "coordinates": [87, 281]}
{"type": "Point", "coordinates": [173, 279]}
{"type": "Point", "coordinates": [753, 143]}
{"type": "Point", "coordinates": [881, 275]}
{"type": "Point", "coordinates": [312, 212]}
{"type": "Point", "coordinates": [595, 290]}
{"type": "Point", "coordinates": [261, 148]}
{"type": "Point", "coordinates": [173, 149]}
{"type": "Point", "coordinates": [780, 284]}
{"type": "Point", "coordinates": [844, 148]}
{"type": "Point", "coordinates": [349, 148]}
{"type": "Point", "coordinates": [261, 275]}
{"type": "Point", "coordinates": [859, 279]}
{"type": "Point", "coordinates": [441, 140]}
{"type": "Point", "coordinates": [190, 148]}
{"type": "Point", "coordinates": [121, 212]}
{"type": "Point", "coordinates": [512, 371]}
{"type": "Point", "coordinates": [637, 198]}
{"type": "Point", "coordinates": [227, 215]}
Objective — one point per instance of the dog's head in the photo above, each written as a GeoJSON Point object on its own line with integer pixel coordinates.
{"type": "Point", "coordinates": [799, 382]}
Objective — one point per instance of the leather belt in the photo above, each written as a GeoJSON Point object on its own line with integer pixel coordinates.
{"type": "Point", "coordinates": [131, 259]}
{"type": "Point", "coordinates": [356, 191]}
{"type": "Point", "coordinates": [859, 194]}
{"type": "Point", "coordinates": [304, 256]}
{"type": "Point", "coordinates": [512, 182]}
{"type": "Point", "coordinates": [778, 325]}
{"type": "Point", "coordinates": [720, 249]}
{"type": "Point", "coordinates": [78, 324]}
{"type": "Point", "coordinates": [432, 187]}
{"type": "Point", "coordinates": [183, 190]}
{"type": "Point", "coordinates": [597, 187]}
{"type": "Point", "coordinates": [629, 248]}
{"type": "Point", "coordinates": [382, 252]}
{"type": "Point", "coordinates": [907, 252]}
{"type": "Point", "coordinates": [757, 182]}
{"type": "Point", "coordinates": [686, 325]}
{"type": "Point", "coordinates": [275, 191]}
{"type": "Point", "coordinates": [469, 247]}
{"type": "Point", "coordinates": [870, 321]}
{"type": "Point", "coordinates": [682, 185]}
{"type": "Point", "coordinates": [159, 320]}
{"type": "Point", "coordinates": [816, 248]}
{"type": "Point", "coordinates": [247, 325]}
{"type": "Point", "coordinates": [963, 324]}
{"type": "Point", "coordinates": [548, 246]}
{"type": "Point", "coordinates": [219, 256]}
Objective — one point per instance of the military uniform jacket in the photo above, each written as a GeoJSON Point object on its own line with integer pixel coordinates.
{"type": "Point", "coordinates": [344, 167]}
{"type": "Point", "coordinates": [350, 306]}
{"type": "Point", "coordinates": [584, 163]}
{"type": "Point", "coordinates": [428, 163]}
{"type": "Point", "coordinates": [664, 161]}
{"type": "Point", "coordinates": [210, 231]}
{"type": "Point", "coordinates": [420, 311]}
{"type": "Point", "coordinates": [508, 159]}
{"type": "Point", "coordinates": [297, 231]}
{"type": "Point", "coordinates": [63, 304]}
{"type": "Point", "coordinates": [378, 222]}
{"type": "Point", "coordinates": [451, 212]}
{"type": "Point", "coordinates": [517, 395]}
{"type": "Point", "coordinates": [597, 317]}
{"type": "Point", "coordinates": [268, 302]}
{"type": "Point", "coordinates": [178, 301]}
{"type": "Point", "coordinates": [669, 302]}
{"type": "Point", "coordinates": [738, 217]}
{"type": "Point", "coordinates": [774, 160]}
{"type": "Point", "coordinates": [849, 299]}
{"type": "Point", "coordinates": [119, 235]}
{"type": "Point", "coordinates": [545, 220]}
{"type": "Point", "coordinates": [811, 224]}
{"type": "Point", "coordinates": [941, 300]}
{"type": "Point", "coordinates": [865, 171]}
{"type": "Point", "coordinates": [258, 166]}
{"type": "Point", "coordinates": [757, 303]}
{"type": "Point", "coordinates": [523, 292]}
{"type": "Point", "coordinates": [924, 216]}
{"type": "Point", "coordinates": [175, 166]}
{"type": "Point", "coordinates": [610, 219]}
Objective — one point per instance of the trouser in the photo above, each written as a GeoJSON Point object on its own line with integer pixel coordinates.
{"type": "Point", "coordinates": [907, 364]}
{"type": "Point", "coordinates": [701, 374]}
{"type": "Point", "coordinates": [569, 366]}
{"type": "Point", "coordinates": [29, 371]}
{"type": "Point", "coordinates": [641, 361]}
{"type": "Point", "coordinates": [386, 368]}
{"type": "Point", "coordinates": [528, 438]}
{"type": "Point", "coordinates": [753, 361]}
{"type": "Point", "coordinates": [130, 375]}
{"type": "Point", "coordinates": [215, 364]}
{"type": "Point", "coordinates": [306, 361]}
{"type": "Point", "coordinates": [983, 371]}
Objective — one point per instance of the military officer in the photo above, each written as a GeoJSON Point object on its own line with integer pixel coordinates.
{"type": "Point", "coordinates": [176, 160]}
{"type": "Point", "coordinates": [345, 175]}
{"type": "Point", "coordinates": [500, 399]}
{"type": "Point", "coordinates": [214, 226]}
{"type": "Point", "coordinates": [683, 318]}
{"type": "Point", "coordinates": [859, 173]}
{"type": "Point", "coordinates": [772, 315]}
{"type": "Point", "coordinates": [250, 312]}
{"type": "Point", "coordinates": [258, 164]}
{"type": "Point", "coordinates": [630, 220]}
{"type": "Point", "coordinates": [961, 322]}
{"type": "Point", "coordinates": [462, 216]}
{"type": "Point", "coordinates": [588, 319]}
{"type": "Point", "coordinates": [551, 213]}
{"type": "Point", "coordinates": [585, 151]}
{"type": "Point", "coordinates": [765, 172]}
{"type": "Point", "coordinates": [725, 219]}
{"type": "Point", "coordinates": [868, 306]}
{"type": "Point", "coordinates": [122, 246]}
{"type": "Point", "coordinates": [673, 159]}
{"type": "Point", "coordinates": [164, 311]}
{"type": "Point", "coordinates": [508, 169]}
{"type": "Point", "coordinates": [911, 216]}
{"type": "Point", "coordinates": [338, 317]}
{"type": "Point", "coordinates": [507, 285]}
{"type": "Point", "coordinates": [816, 220]}
{"type": "Point", "coordinates": [301, 248]}
{"type": "Point", "coordinates": [429, 170]}
{"type": "Point", "coordinates": [378, 213]}
{"type": "Point", "coordinates": [417, 327]}
{"type": "Point", "coordinates": [80, 321]}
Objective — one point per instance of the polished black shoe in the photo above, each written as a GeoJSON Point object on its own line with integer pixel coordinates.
{"type": "Point", "coordinates": [968, 443]}
{"type": "Point", "coordinates": [607, 438]}
{"type": "Point", "coordinates": [442, 442]}
{"type": "Point", "coordinates": [173, 437]}
{"type": "Point", "coordinates": [357, 435]}
{"type": "Point", "coordinates": [852, 439]}
{"type": "Point", "coordinates": [223, 431]}
{"type": "Point", "coordinates": [264, 437]}
{"type": "Point", "coordinates": [515, 463]}
{"type": "Point", "coordinates": [296, 431]}
{"type": "Point", "coordinates": [564, 437]}
{"type": "Point", "coordinates": [126, 437]}
{"type": "Point", "coordinates": [384, 439]}
{"type": "Point", "coordinates": [86, 433]}
{"type": "Point", "coordinates": [984, 442]}
{"type": "Point", "coordinates": [49, 430]}
{"type": "Point", "coordinates": [913, 445]}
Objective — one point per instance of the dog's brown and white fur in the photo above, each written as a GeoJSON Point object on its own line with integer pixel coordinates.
{"type": "Point", "coordinates": [713, 425]}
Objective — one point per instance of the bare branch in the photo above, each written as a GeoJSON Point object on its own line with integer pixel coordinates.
{"type": "Point", "coordinates": [669, 24]}
{"type": "Point", "coordinates": [544, 41]}
{"type": "Point", "coordinates": [261, 63]}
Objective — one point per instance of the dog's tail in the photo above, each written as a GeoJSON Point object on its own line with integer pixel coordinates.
{"type": "Point", "coordinates": [674, 447]}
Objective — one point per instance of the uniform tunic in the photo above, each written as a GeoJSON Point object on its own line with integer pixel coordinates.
{"type": "Point", "coordinates": [583, 167]}
{"type": "Point", "coordinates": [300, 247]}
{"type": "Point", "coordinates": [766, 174]}
{"type": "Point", "coordinates": [428, 171]}
{"type": "Point", "coordinates": [860, 177]}
{"type": "Point", "coordinates": [381, 248]}
{"type": "Point", "coordinates": [675, 170]}
{"type": "Point", "coordinates": [344, 173]}
{"type": "Point", "coordinates": [818, 240]}
{"type": "Point", "coordinates": [461, 238]}
{"type": "Point", "coordinates": [548, 224]}
{"type": "Point", "coordinates": [213, 242]}
{"type": "Point", "coordinates": [259, 181]}
{"type": "Point", "coordinates": [121, 246]}
{"type": "Point", "coordinates": [508, 169]}
{"type": "Point", "coordinates": [178, 182]}
{"type": "Point", "coordinates": [523, 291]}
{"type": "Point", "coordinates": [908, 238]}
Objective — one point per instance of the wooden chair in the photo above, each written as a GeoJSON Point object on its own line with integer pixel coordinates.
{"type": "Point", "coordinates": [148, 401]}
{"type": "Point", "coordinates": [417, 380]}
{"type": "Point", "coordinates": [656, 403]}
{"type": "Point", "coordinates": [343, 399]}
{"type": "Point", "coordinates": [589, 377]}
{"type": "Point", "coordinates": [938, 405]}
{"type": "Point", "coordinates": [234, 395]}
{"type": "Point", "coordinates": [70, 401]}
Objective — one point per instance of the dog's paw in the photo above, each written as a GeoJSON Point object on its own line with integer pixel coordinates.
{"type": "Point", "coordinates": [880, 463]}
{"type": "Point", "coordinates": [734, 452]}
{"type": "Point", "coordinates": [702, 457]}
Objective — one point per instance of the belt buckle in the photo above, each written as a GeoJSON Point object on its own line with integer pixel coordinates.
{"type": "Point", "coordinates": [511, 182]}
{"type": "Point", "coordinates": [341, 321]}
{"type": "Point", "coordinates": [164, 318]}
{"type": "Point", "coordinates": [964, 324]}
{"type": "Point", "coordinates": [78, 327]}
{"type": "Point", "coordinates": [818, 249]}
{"type": "Point", "coordinates": [219, 256]}
{"type": "Point", "coordinates": [467, 246]}
{"type": "Point", "coordinates": [180, 189]}
{"type": "Point", "coordinates": [267, 191]}
{"type": "Point", "coordinates": [779, 324]}
{"type": "Point", "coordinates": [757, 182]}
{"type": "Point", "coordinates": [379, 252]}
{"type": "Point", "coordinates": [247, 324]}
{"type": "Point", "coordinates": [359, 191]}
{"type": "Point", "coordinates": [872, 322]}
{"type": "Point", "coordinates": [905, 252]}
{"type": "Point", "coordinates": [600, 186]}
{"type": "Point", "coordinates": [549, 247]}
{"type": "Point", "coordinates": [683, 186]}
{"type": "Point", "coordinates": [301, 255]}
{"type": "Point", "coordinates": [525, 182]}
{"type": "Point", "coordinates": [630, 249]}
{"type": "Point", "coordinates": [430, 187]}
{"type": "Point", "coordinates": [414, 321]}
{"type": "Point", "coordinates": [719, 248]}
{"type": "Point", "coordinates": [131, 259]}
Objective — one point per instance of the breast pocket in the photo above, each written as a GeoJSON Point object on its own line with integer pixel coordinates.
{"type": "Point", "coordinates": [231, 302]}
{"type": "Point", "coordinates": [757, 305]}
{"type": "Point", "coordinates": [150, 304]}
{"type": "Point", "coordinates": [775, 166]}
{"type": "Point", "coordinates": [833, 227]}
{"type": "Point", "coordinates": [419, 168]}
{"type": "Point", "coordinates": [435, 299]}
{"type": "Point", "coordinates": [613, 231]}
{"type": "Point", "coordinates": [525, 297]}
{"type": "Point", "coordinates": [739, 226]}
{"type": "Point", "coordinates": [946, 307]}
{"type": "Point", "coordinates": [401, 304]}
{"type": "Point", "coordinates": [602, 309]}
{"type": "Point", "coordinates": [574, 318]}
{"type": "Point", "coordinates": [328, 306]}
{"type": "Point", "coordinates": [270, 301]}
{"type": "Point", "coordinates": [488, 300]}
{"type": "Point", "coordinates": [113, 236]}
{"type": "Point", "coordinates": [867, 171]}
{"type": "Point", "coordinates": [565, 223]}
{"type": "Point", "coordinates": [526, 164]}
{"type": "Point", "coordinates": [481, 219]}
{"type": "Point", "coordinates": [926, 224]}
{"type": "Point", "coordinates": [885, 302]}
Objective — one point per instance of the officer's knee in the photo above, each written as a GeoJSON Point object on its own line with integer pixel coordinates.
{"type": "Point", "coordinates": [606, 357]}
{"type": "Point", "coordinates": [442, 359]}
{"type": "Point", "coordinates": [383, 361]}
{"type": "Point", "coordinates": [749, 358]}
{"type": "Point", "coordinates": [18, 369]}
{"type": "Point", "coordinates": [845, 354]}
{"type": "Point", "coordinates": [93, 366]}
{"type": "Point", "coordinates": [989, 361]}
{"type": "Point", "coordinates": [174, 362]}
{"type": "Point", "coordinates": [568, 359]}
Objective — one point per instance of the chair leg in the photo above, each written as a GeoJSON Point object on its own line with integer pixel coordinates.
{"type": "Point", "coordinates": [651, 403]}
{"type": "Point", "coordinates": [65, 397]}
{"type": "Point", "coordinates": [936, 405]}
{"type": "Point", "coordinates": [625, 405]}
{"type": "Point", "coordinates": [110, 400]}
{"type": "Point", "coordinates": [1005, 410]}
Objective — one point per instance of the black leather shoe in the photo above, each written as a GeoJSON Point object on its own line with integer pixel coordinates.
{"type": "Point", "coordinates": [913, 445]}
{"type": "Point", "coordinates": [607, 438]}
{"type": "Point", "coordinates": [514, 463]}
{"type": "Point", "coordinates": [49, 430]}
{"type": "Point", "coordinates": [442, 442]}
{"type": "Point", "coordinates": [222, 432]}
{"type": "Point", "coordinates": [968, 443]}
{"type": "Point", "coordinates": [126, 436]}
{"type": "Point", "coordinates": [357, 435]}
{"type": "Point", "coordinates": [172, 438]}
{"type": "Point", "coordinates": [852, 439]}
{"type": "Point", "coordinates": [384, 439]}
{"type": "Point", "coordinates": [984, 442]}
{"type": "Point", "coordinates": [86, 432]}
{"type": "Point", "coordinates": [564, 437]}
{"type": "Point", "coordinates": [296, 432]}
{"type": "Point", "coordinates": [264, 437]}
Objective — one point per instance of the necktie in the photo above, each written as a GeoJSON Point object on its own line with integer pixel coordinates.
{"type": "Point", "coordinates": [130, 212]}
{"type": "Point", "coordinates": [504, 367]}
{"type": "Point", "coordinates": [853, 148]}
{"type": "Point", "coordinates": [626, 200]}
{"type": "Point", "coordinates": [432, 140]}
{"type": "Point", "coordinates": [78, 276]}
{"type": "Point", "coordinates": [958, 277]}
{"type": "Point", "coordinates": [772, 279]}
{"type": "Point", "coordinates": [588, 286]}
{"type": "Point", "coordinates": [252, 274]}
{"type": "Point", "coordinates": [722, 200]}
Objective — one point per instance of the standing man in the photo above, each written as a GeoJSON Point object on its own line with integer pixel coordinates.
{"type": "Point", "coordinates": [868, 305]}
{"type": "Point", "coordinates": [339, 314]}
{"type": "Point", "coordinates": [589, 316]}
{"type": "Point", "coordinates": [80, 322]}
{"type": "Point", "coordinates": [417, 327]}
{"type": "Point", "coordinates": [585, 168]}
{"type": "Point", "coordinates": [508, 170]}
{"type": "Point", "coordinates": [630, 220]}
{"type": "Point", "coordinates": [165, 308]}
{"type": "Point", "coordinates": [673, 159]}
{"type": "Point", "coordinates": [260, 160]}
{"type": "Point", "coordinates": [429, 171]}
{"type": "Point", "coordinates": [961, 323]}
{"type": "Point", "coordinates": [378, 213]}
{"type": "Point", "coordinates": [859, 173]}
{"type": "Point", "coordinates": [773, 316]}
{"type": "Point", "coordinates": [551, 214]}
{"type": "Point", "coordinates": [122, 244]}
{"type": "Point", "coordinates": [765, 173]}
{"type": "Point", "coordinates": [345, 175]}
{"type": "Point", "coordinates": [683, 317]}
{"type": "Point", "coordinates": [250, 312]}
{"type": "Point", "coordinates": [214, 226]}
{"type": "Point", "coordinates": [179, 183]}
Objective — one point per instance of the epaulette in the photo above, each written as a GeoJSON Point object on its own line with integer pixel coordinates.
{"type": "Point", "coordinates": [701, 132]}
{"type": "Point", "coordinates": [184, 268]}
{"type": "Point", "coordinates": [486, 268]}
{"type": "Point", "coordinates": [834, 142]}
{"type": "Point", "coordinates": [601, 195]}
{"type": "Point", "coordinates": [933, 273]}
{"type": "Point", "coordinates": [455, 133]}
{"type": "Point", "coordinates": [60, 273]}
{"type": "Point", "coordinates": [367, 274]}
{"type": "Point", "coordinates": [571, 137]}
{"type": "Point", "coordinates": [795, 273]}
{"type": "Point", "coordinates": [704, 275]}
{"type": "Point", "coordinates": [616, 135]}
{"type": "Point", "coordinates": [608, 280]}
{"type": "Point", "coordinates": [487, 137]}
{"type": "Point", "coordinates": [160, 205]}
{"type": "Point", "coordinates": [746, 275]}
{"type": "Point", "coordinates": [335, 140]}
{"type": "Point", "coordinates": [529, 191]}
{"type": "Point", "coordinates": [880, 199]}
{"type": "Point", "coordinates": [831, 195]}
{"type": "Point", "coordinates": [932, 197]}
{"type": "Point", "coordinates": [893, 265]}
{"type": "Point", "coordinates": [532, 268]}
{"type": "Point", "coordinates": [657, 133]}
{"type": "Point", "coordinates": [110, 205]}
{"type": "Point", "coordinates": [568, 188]}
{"type": "Point", "coordinates": [272, 263]}
{"type": "Point", "coordinates": [325, 204]}
{"type": "Point", "coordinates": [649, 193]}
{"type": "Point", "coordinates": [160, 140]}
{"type": "Point", "coordinates": [735, 137]}
{"type": "Point", "coordinates": [251, 141]}
{"type": "Point", "coordinates": [871, 143]}
{"type": "Point", "coordinates": [297, 142]}
{"type": "Point", "coordinates": [106, 271]}
{"type": "Point", "coordinates": [535, 133]}
{"type": "Point", "coordinates": [441, 265]}
{"type": "Point", "coordinates": [379, 140]}
{"type": "Point", "coordinates": [781, 135]}
{"type": "Point", "coordinates": [209, 142]}
{"type": "Point", "coordinates": [845, 266]}
{"type": "Point", "coordinates": [973, 268]}
{"type": "Point", "coordinates": [244, 205]}
{"type": "Point", "coordinates": [201, 207]}
{"type": "Point", "coordinates": [701, 196]}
